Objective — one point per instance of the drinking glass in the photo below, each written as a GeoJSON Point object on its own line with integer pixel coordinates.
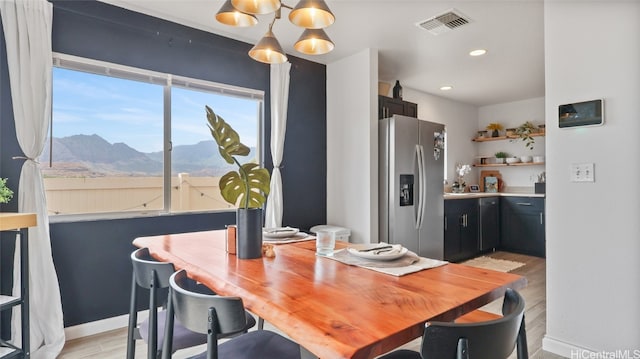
{"type": "Point", "coordinates": [325, 243]}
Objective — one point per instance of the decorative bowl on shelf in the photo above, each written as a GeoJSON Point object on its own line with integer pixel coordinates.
{"type": "Point", "coordinates": [538, 159]}
{"type": "Point", "coordinates": [511, 160]}
{"type": "Point", "coordinates": [526, 159]}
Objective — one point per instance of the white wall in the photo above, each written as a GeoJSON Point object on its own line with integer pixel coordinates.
{"type": "Point", "coordinates": [512, 115]}
{"type": "Point", "coordinates": [460, 120]}
{"type": "Point", "coordinates": [352, 145]}
{"type": "Point", "coordinates": [463, 121]}
{"type": "Point", "coordinates": [592, 50]}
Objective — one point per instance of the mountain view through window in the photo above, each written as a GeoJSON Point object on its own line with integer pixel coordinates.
{"type": "Point", "coordinates": [107, 147]}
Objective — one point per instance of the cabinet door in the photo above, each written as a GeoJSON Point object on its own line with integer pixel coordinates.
{"type": "Point", "coordinates": [461, 229]}
{"type": "Point", "coordinates": [522, 225]}
{"type": "Point", "coordinates": [411, 109]}
{"type": "Point", "coordinates": [388, 107]}
{"type": "Point", "coordinates": [469, 230]}
{"type": "Point", "coordinates": [452, 224]}
{"type": "Point", "coordinates": [489, 223]}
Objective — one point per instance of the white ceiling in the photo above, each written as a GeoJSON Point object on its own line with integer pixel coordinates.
{"type": "Point", "coordinates": [510, 30]}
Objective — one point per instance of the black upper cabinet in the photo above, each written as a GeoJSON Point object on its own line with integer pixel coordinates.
{"type": "Point", "coordinates": [388, 107]}
{"type": "Point", "coordinates": [461, 229]}
{"type": "Point", "coordinates": [522, 225]}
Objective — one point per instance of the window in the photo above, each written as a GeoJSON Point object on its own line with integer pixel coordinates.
{"type": "Point", "coordinates": [195, 161]}
{"type": "Point", "coordinates": [126, 140]}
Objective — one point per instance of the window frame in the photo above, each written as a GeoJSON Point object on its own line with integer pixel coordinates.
{"type": "Point", "coordinates": [167, 81]}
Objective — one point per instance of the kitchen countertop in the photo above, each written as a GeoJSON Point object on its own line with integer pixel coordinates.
{"type": "Point", "coordinates": [507, 192]}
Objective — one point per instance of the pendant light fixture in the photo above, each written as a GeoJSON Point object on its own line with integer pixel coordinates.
{"type": "Point", "coordinates": [268, 49]}
{"type": "Point", "coordinates": [313, 15]}
{"type": "Point", "coordinates": [314, 42]}
{"type": "Point", "coordinates": [229, 15]}
{"type": "Point", "coordinates": [258, 7]}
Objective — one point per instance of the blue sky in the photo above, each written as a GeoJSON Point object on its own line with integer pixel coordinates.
{"type": "Point", "coordinates": [132, 112]}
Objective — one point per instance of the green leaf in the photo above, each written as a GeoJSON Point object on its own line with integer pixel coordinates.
{"type": "Point", "coordinates": [248, 188]}
{"type": "Point", "coordinates": [5, 192]}
{"type": "Point", "coordinates": [226, 137]}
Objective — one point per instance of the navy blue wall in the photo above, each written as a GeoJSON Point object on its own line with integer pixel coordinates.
{"type": "Point", "coordinates": [92, 257]}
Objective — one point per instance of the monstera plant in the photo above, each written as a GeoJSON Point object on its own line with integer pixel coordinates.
{"type": "Point", "coordinates": [249, 185]}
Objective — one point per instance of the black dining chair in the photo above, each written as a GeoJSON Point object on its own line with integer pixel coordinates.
{"type": "Point", "coordinates": [154, 276]}
{"type": "Point", "coordinates": [493, 339]}
{"type": "Point", "coordinates": [200, 310]}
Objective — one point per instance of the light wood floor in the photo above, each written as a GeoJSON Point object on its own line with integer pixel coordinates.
{"type": "Point", "coordinates": [534, 295]}
{"type": "Point", "coordinates": [112, 345]}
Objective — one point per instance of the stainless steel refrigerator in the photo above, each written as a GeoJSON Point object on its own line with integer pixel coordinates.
{"type": "Point", "coordinates": [411, 173]}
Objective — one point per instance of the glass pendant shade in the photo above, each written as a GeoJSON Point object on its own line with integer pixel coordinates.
{"type": "Point", "coordinates": [268, 50]}
{"type": "Point", "coordinates": [259, 7]}
{"type": "Point", "coordinates": [314, 42]}
{"type": "Point", "coordinates": [312, 14]}
{"type": "Point", "coordinates": [229, 15]}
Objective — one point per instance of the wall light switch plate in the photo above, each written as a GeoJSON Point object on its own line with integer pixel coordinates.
{"type": "Point", "coordinates": [582, 172]}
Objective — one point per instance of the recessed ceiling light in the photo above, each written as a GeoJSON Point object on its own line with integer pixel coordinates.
{"type": "Point", "coordinates": [446, 88]}
{"type": "Point", "coordinates": [478, 52]}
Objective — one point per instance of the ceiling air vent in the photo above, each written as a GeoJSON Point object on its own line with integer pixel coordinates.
{"type": "Point", "coordinates": [445, 22]}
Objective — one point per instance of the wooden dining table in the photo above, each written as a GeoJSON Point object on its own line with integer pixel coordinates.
{"type": "Point", "coordinates": [332, 309]}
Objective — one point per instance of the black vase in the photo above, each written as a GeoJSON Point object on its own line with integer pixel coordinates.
{"type": "Point", "coordinates": [249, 226]}
{"type": "Point", "coordinates": [397, 90]}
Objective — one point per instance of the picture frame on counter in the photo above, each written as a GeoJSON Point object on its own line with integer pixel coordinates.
{"type": "Point", "coordinates": [491, 184]}
{"type": "Point", "coordinates": [474, 188]}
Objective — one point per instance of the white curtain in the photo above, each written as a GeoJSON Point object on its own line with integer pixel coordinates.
{"type": "Point", "coordinates": [279, 102]}
{"type": "Point", "coordinates": [27, 31]}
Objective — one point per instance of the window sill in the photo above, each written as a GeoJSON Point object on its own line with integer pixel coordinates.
{"type": "Point", "coordinates": [70, 218]}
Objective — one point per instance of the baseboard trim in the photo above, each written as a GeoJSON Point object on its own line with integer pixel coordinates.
{"type": "Point", "coordinates": [565, 349]}
{"type": "Point", "coordinates": [101, 326]}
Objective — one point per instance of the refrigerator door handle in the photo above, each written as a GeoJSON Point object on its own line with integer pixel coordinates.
{"type": "Point", "coordinates": [421, 185]}
{"type": "Point", "coordinates": [419, 182]}
{"type": "Point", "coordinates": [423, 178]}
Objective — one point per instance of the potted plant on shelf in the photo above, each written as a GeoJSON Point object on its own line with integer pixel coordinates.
{"type": "Point", "coordinates": [247, 187]}
{"type": "Point", "coordinates": [495, 128]}
{"type": "Point", "coordinates": [500, 156]}
{"type": "Point", "coordinates": [524, 132]}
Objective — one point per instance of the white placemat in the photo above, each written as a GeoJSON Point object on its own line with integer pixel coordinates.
{"type": "Point", "coordinates": [298, 237]}
{"type": "Point", "coordinates": [409, 263]}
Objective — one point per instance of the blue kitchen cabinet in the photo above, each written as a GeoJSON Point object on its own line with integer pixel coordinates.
{"type": "Point", "coordinates": [522, 225]}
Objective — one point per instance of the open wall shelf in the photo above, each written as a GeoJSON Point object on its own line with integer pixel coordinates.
{"type": "Point", "coordinates": [502, 138]}
{"type": "Point", "coordinates": [510, 164]}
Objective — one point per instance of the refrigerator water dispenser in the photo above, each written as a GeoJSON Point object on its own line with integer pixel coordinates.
{"type": "Point", "coordinates": [406, 190]}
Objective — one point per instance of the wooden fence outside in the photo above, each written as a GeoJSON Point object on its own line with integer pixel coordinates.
{"type": "Point", "coordinates": [122, 194]}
